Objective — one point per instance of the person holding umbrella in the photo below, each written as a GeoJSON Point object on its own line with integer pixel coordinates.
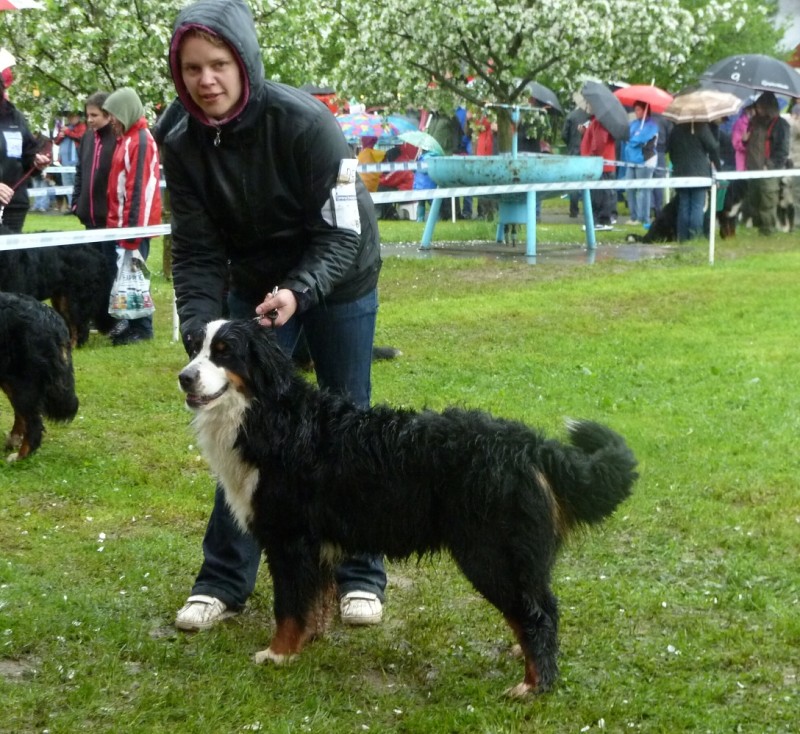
{"type": "Point", "coordinates": [640, 151]}
{"type": "Point", "coordinates": [692, 149]}
{"type": "Point", "coordinates": [767, 148]}
{"type": "Point", "coordinates": [598, 141]}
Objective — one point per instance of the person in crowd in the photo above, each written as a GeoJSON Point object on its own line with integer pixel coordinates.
{"type": "Point", "coordinates": [738, 189]}
{"type": "Point", "coordinates": [90, 188]}
{"type": "Point", "coordinates": [692, 149]}
{"type": "Point", "coordinates": [370, 154]}
{"type": "Point", "coordinates": [767, 141]}
{"type": "Point", "coordinates": [265, 197]}
{"type": "Point", "coordinates": [597, 141]}
{"type": "Point", "coordinates": [134, 194]}
{"type": "Point", "coordinates": [399, 180]}
{"type": "Point", "coordinates": [664, 129]}
{"type": "Point", "coordinates": [68, 139]}
{"type": "Point", "coordinates": [572, 133]}
{"type": "Point", "coordinates": [485, 144]}
{"type": "Point", "coordinates": [640, 151]}
{"type": "Point", "coordinates": [19, 160]}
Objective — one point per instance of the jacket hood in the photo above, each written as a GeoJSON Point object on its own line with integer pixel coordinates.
{"type": "Point", "coordinates": [125, 105]}
{"type": "Point", "coordinates": [232, 21]}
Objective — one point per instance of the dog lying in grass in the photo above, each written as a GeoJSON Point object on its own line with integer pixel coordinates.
{"type": "Point", "coordinates": [315, 478]}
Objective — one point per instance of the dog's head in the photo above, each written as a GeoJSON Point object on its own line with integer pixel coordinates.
{"type": "Point", "coordinates": [236, 357]}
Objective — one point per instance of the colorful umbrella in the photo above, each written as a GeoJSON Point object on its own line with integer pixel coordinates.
{"type": "Point", "coordinates": [598, 100]}
{"type": "Point", "coordinates": [657, 99]}
{"type": "Point", "coordinates": [363, 125]}
{"type": "Point", "coordinates": [704, 105]}
{"type": "Point", "coordinates": [756, 71]}
{"type": "Point", "coordinates": [422, 140]}
{"type": "Point", "coordinates": [20, 5]}
{"type": "Point", "coordinates": [402, 124]}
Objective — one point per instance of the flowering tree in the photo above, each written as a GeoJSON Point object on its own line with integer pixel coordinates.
{"type": "Point", "coordinates": [438, 54]}
{"type": "Point", "coordinates": [70, 50]}
{"type": "Point", "coordinates": [418, 53]}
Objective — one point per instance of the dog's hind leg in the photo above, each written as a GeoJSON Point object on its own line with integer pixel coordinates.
{"type": "Point", "coordinates": [530, 609]}
{"type": "Point", "coordinates": [536, 629]}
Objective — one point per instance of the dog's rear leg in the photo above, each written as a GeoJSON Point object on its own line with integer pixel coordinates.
{"type": "Point", "coordinates": [536, 629]}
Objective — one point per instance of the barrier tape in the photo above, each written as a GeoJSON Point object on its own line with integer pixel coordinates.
{"type": "Point", "coordinates": [51, 239]}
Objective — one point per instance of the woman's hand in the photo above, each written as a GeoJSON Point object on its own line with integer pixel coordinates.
{"type": "Point", "coordinates": [277, 308]}
{"type": "Point", "coordinates": [6, 194]}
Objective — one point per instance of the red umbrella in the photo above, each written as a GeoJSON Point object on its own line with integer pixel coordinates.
{"type": "Point", "coordinates": [20, 5]}
{"type": "Point", "coordinates": [656, 98]}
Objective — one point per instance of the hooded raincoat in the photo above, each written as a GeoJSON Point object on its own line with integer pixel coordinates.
{"type": "Point", "coordinates": [134, 196]}
{"type": "Point", "coordinates": [254, 196]}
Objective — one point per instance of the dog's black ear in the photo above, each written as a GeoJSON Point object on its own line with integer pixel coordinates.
{"type": "Point", "coordinates": [269, 368]}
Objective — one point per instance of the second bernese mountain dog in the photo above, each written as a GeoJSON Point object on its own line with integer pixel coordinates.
{"type": "Point", "coordinates": [36, 371]}
{"type": "Point", "coordinates": [315, 478]}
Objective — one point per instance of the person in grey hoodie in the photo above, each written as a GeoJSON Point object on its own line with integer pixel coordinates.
{"type": "Point", "coordinates": [270, 220]}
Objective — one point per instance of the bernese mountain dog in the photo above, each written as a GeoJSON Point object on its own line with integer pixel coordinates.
{"type": "Point", "coordinates": [76, 279]}
{"type": "Point", "coordinates": [315, 478]}
{"type": "Point", "coordinates": [36, 371]}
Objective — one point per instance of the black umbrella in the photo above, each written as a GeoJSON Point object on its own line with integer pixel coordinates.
{"type": "Point", "coordinates": [544, 96]}
{"type": "Point", "coordinates": [598, 100]}
{"type": "Point", "coordinates": [756, 71]}
{"type": "Point", "coordinates": [742, 93]}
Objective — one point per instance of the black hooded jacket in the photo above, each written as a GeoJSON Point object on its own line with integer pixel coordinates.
{"type": "Point", "coordinates": [248, 194]}
{"type": "Point", "coordinates": [17, 152]}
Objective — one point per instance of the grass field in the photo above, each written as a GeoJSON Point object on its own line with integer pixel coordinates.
{"type": "Point", "coordinates": [680, 614]}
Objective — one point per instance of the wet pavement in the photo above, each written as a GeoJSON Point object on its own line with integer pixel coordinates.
{"type": "Point", "coordinates": [611, 245]}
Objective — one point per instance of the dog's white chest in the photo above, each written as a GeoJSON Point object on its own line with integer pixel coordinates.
{"type": "Point", "coordinates": [217, 429]}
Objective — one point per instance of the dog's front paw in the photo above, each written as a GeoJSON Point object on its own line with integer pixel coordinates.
{"type": "Point", "coordinates": [522, 690]}
{"type": "Point", "coordinates": [268, 655]}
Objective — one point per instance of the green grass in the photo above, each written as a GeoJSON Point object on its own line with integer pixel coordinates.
{"type": "Point", "coordinates": [681, 613]}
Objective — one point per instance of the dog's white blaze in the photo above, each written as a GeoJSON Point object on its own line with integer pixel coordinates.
{"type": "Point", "coordinates": [217, 425]}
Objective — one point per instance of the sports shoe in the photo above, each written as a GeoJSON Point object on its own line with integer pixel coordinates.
{"type": "Point", "coordinates": [602, 228]}
{"type": "Point", "coordinates": [633, 222]}
{"type": "Point", "coordinates": [360, 607]}
{"type": "Point", "coordinates": [201, 612]}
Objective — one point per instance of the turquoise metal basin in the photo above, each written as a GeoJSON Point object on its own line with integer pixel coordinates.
{"type": "Point", "coordinates": [499, 170]}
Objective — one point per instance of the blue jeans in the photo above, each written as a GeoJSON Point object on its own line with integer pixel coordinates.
{"type": "Point", "coordinates": [691, 206]}
{"type": "Point", "coordinates": [340, 338]}
{"type": "Point", "coordinates": [639, 199]}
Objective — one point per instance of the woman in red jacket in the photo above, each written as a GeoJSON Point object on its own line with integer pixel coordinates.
{"type": "Point", "coordinates": [134, 196]}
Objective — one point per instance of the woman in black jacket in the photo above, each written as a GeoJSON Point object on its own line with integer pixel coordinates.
{"type": "Point", "coordinates": [692, 150]}
{"type": "Point", "coordinates": [266, 206]}
{"type": "Point", "coordinates": [18, 154]}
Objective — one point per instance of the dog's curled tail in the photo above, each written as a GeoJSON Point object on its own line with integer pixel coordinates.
{"type": "Point", "coordinates": [591, 477]}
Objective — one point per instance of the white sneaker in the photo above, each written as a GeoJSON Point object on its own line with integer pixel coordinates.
{"type": "Point", "coordinates": [201, 612]}
{"type": "Point", "coordinates": [360, 607]}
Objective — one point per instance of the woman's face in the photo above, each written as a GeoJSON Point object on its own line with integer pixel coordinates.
{"type": "Point", "coordinates": [211, 75]}
{"type": "Point", "coordinates": [96, 118]}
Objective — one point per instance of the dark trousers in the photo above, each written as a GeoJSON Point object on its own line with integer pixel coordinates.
{"type": "Point", "coordinates": [340, 338]}
{"type": "Point", "coordinates": [603, 202]}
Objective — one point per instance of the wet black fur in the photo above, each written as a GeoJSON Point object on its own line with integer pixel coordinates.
{"type": "Point", "coordinates": [75, 278]}
{"type": "Point", "coordinates": [36, 371]}
{"type": "Point", "coordinates": [395, 482]}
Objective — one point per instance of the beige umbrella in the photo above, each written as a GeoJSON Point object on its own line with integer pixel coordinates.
{"type": "Point", "coordinates": [703, 105]}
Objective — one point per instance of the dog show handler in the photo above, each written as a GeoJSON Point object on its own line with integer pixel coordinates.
{"type": "Point", "coordinates": [270, 219]}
